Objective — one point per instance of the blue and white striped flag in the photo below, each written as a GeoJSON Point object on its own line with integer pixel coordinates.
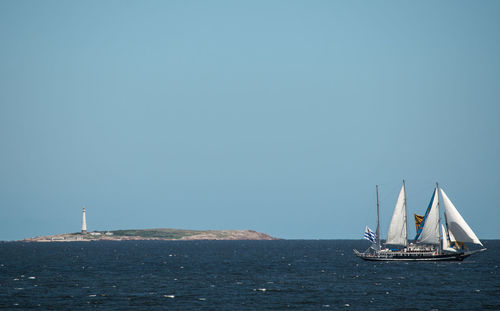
{"type": "Point", "coordinates": [370, 235]}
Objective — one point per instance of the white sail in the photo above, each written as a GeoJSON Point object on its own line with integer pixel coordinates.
{"type": "Point", "coordinates": [397, 234]}
{"type": "Point", "coordinates": [446, 243]}
{"type": "Point", "coordinates": [452, 238]}
{"type": "Point", "coordinates": [430, 232]}
{"type": "Point", "coordinates": [458, 228]}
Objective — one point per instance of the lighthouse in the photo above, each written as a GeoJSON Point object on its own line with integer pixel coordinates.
{"type": "Point", "coordinates": [84, 222]}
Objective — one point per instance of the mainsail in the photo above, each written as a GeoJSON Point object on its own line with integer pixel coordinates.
{"type": "Point", "coordinates": [397, 234]}
{"type": "Point", "coordinates": [457, 227]}
{"type": "Point", "coordinates": [420, 224]}
{"type": "Point", "coordinates": [430, 230]}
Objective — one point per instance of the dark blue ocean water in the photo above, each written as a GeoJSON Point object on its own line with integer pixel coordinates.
{"type": "Point", "coordinates": [237, 275]}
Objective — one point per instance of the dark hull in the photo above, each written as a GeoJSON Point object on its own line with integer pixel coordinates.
{"type": "Point", "coordinates": [401, 256]}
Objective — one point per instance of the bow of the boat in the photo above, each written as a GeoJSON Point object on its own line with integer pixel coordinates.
{"type": "Point", "coordinates": [468, 253]}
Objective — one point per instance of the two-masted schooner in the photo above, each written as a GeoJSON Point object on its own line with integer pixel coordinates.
{"type": "Point", "coordinates": [434, 241]}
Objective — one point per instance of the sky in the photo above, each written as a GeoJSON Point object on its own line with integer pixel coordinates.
{"type": "Point", "coordinates": [276, 116]}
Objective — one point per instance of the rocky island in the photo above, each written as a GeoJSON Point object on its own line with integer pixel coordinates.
{"type": "Point", "coordinates": [154, 234]}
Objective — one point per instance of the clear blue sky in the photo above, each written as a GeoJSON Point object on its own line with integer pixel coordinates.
{"type": "Point", "coordinates": [277, 116]}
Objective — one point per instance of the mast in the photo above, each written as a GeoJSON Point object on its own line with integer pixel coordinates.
{"type": "Point", "coordinates": [378, 220]}
{"type": "Point", "coordinates": [406, 212]}
{"type": "Point", "coordinates": [439, 219]}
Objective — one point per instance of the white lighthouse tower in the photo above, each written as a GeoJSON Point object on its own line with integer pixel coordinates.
{"type": "Point", "coordinates": [84, 222]}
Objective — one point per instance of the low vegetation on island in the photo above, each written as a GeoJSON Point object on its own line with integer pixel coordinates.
{"type": "Point", "coordinates": [154, 234]}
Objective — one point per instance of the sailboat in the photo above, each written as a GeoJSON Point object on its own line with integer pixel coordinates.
{"type": "Point", "coordinates": [433, 242]}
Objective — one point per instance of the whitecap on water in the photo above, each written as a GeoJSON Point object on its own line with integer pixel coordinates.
{"type": "Point", "coordinates": [202, 299]}
{"type": "Point", "coordinates": [169, 296]}
{"type": "Point", "coordinates": [347, 305]}
{"type": "Point", "coordinates": [31, 278]}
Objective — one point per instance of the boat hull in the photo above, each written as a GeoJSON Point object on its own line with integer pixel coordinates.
{"type": "Point", "coordinates": [401, 256]}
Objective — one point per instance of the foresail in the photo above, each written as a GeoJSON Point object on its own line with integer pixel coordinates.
{"type": "Point", "coordinates": [397, 234]}
{"type": "Point", "coordinates": [446, 242]}
{"type": "Point", "coordinates": [430, 230]}
{"type": "Point", "coordinates": [452, 237]}
{"type": "Point", "coordinates": [458, 228]}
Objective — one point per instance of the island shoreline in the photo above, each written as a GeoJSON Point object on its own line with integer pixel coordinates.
{"type": "Point", "coordinates": [162, 234]}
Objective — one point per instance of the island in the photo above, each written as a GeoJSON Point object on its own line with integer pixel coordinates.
{"type": "Point", "coordinates": [154, 234]}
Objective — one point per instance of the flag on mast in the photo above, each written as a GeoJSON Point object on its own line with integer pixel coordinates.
{"type": "Point", "coordinates": [370, 235]}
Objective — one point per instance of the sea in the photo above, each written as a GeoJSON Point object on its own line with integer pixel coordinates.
{"type": "Point", "coordinates": [237, 275]}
